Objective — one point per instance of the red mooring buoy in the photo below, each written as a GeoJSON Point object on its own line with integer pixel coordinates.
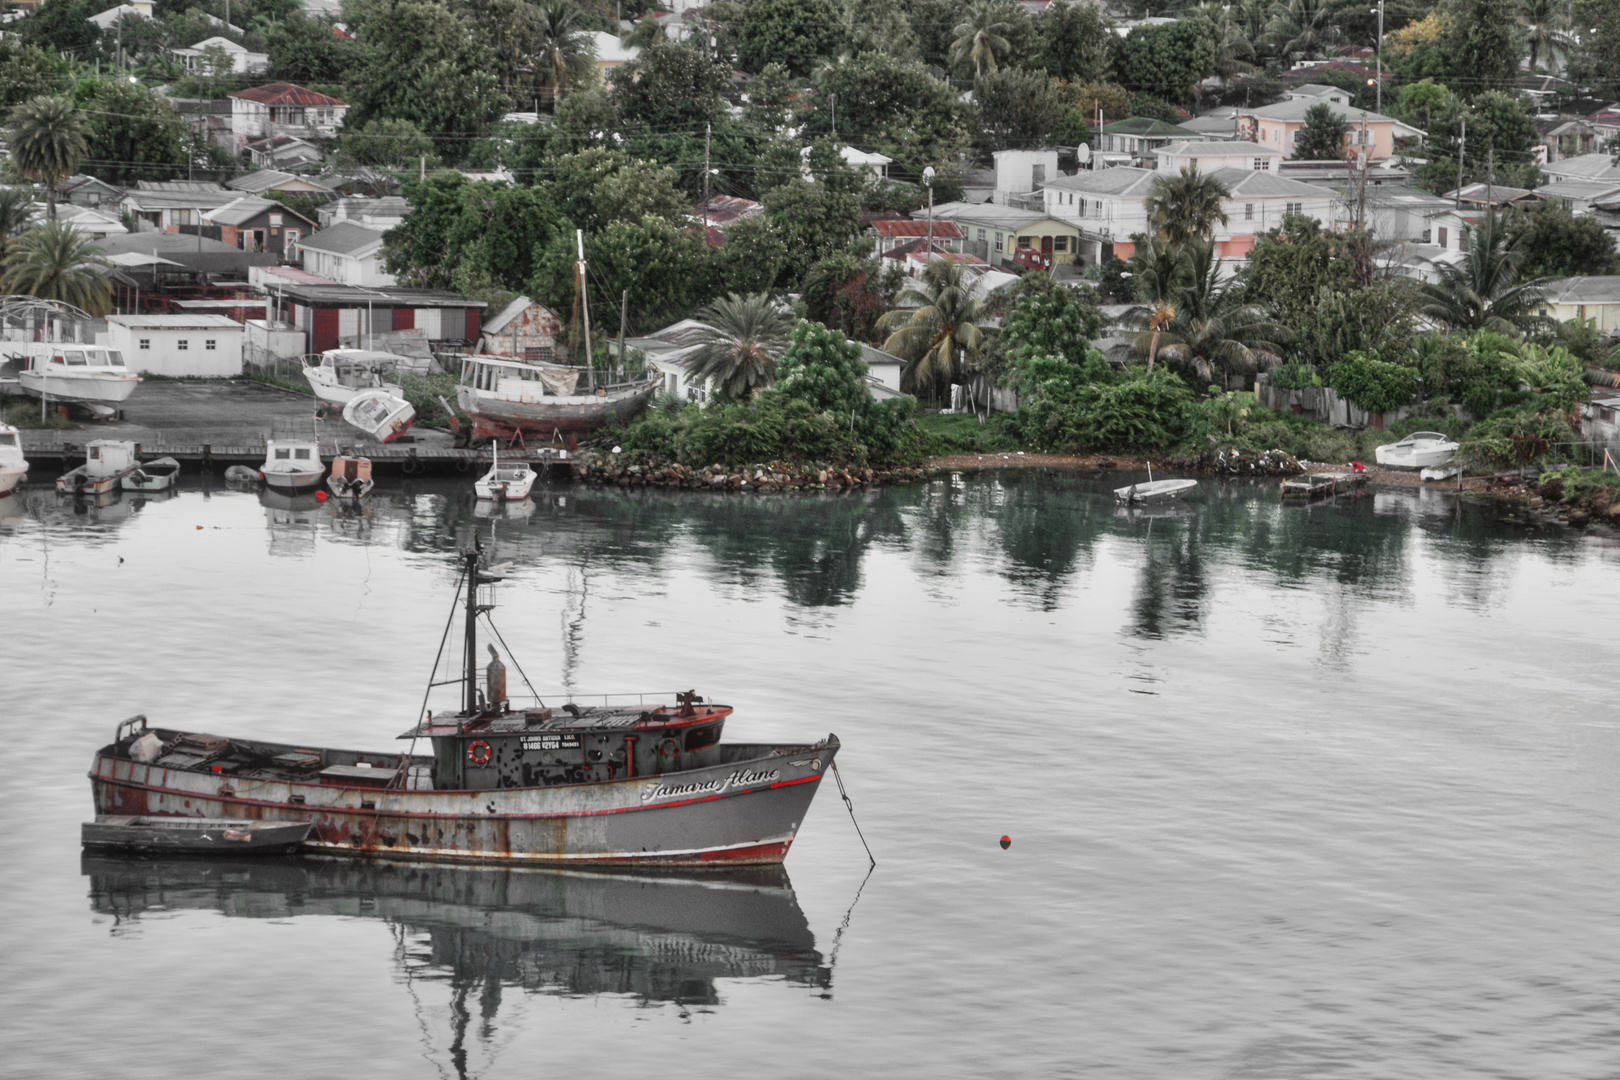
{"type": "Point", "coordinates": [1006, 842]}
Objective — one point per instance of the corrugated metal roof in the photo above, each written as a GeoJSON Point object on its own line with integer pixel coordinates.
{"type": "Point", "coordinates": [283, 93]}
{"type": "Point", "coordinates": [891, 227]}
{"type": "Point", "coordinates": [344, 238]}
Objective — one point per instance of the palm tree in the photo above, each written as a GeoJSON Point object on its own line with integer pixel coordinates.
{"type": "Point", "coordinates": [57, 262]}
{"type": "Point", "coordinates": [936, 327]}
{"type": "Point", "coordinates": [561, 46]}
{"type": "Point", "coordinates": [980, 37]}
{"type": "Point", "coordinates": [16, 209]}
{"type": "Point", "coordinates": [739, 344]}
{"type": "Point", "coordinates": [1484, 291]}
{"type": "Point", "coordinates": [1212, 331]}
{"type": "Point", "coordinates": [1188, 206]}
{"type": "Point", "coordinates": [1158, 272]}
{"type": "Point", "coordinates": [1547, 30]}
{"type": "Point", "coordinates": [47, 142]}
{"type": "Point", "coordinates": [1233, 50]}
{"type": "Point", "coordinates": [1303, 27]}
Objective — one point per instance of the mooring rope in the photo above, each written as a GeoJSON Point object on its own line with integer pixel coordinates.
{"type": "Point", "coordinates": [838, 776]}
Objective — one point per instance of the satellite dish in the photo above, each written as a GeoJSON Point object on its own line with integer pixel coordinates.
{"type": "Point", "coordinates": [1083, 152]}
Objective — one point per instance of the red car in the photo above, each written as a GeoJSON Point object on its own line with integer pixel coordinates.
{"type": "Point", "coordinates": [1031, 259]}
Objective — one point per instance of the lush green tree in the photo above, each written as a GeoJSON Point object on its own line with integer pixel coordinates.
{"type": "Point", "coordinates": [1187, 206]}
{"type": "Point", "coordinates": [57, 262]}
{"type": "Point", "coordinates": [1372, 383]}
{"type": "Point", "coordinates": [935, 329]}
{"type": "Point", "coordinates": [1234, 49]}
{"type": "Point", "coordinates": [1486, 291]}
{"type": "Point", "coordinates": [494, 231]}
{"type": "Point", "coordinates": [1500, 144]}
{"type": "Point", "coordinates": [385, 144]}
{"type": "Point", "coordinates": [1018, 109]}
{"type": "Point", "coordinates": [933, 23]}
{"type": "Point", "coordinates": [1485, 46]}
{"type": "Point", "coordinates": [1083, 407]}
{"type": "Point", "coordinates": [666, 271]}
{"type": "Point", "coordinates": [813, 220]}
{"type": "Point", "coordinates": [28, 72]}
{"type": "Point", "coordinates": [1291, 264]}
{"type": "Point", "coordinates": [848, 291]}
{"type": "Point", "coordinates": [1425, 102]}
{"type": "Point", "coordinates": [16, 211]}
{"type": "Point", "coordinates": [1303, 27]}
{"type": "Point", "coordinates": [62, 27]}
{"type": "Point", "coordinates": [752, 257]}
{"type": "Point", "coordinates": [597, 187]}
{"type": "Point", "coordinates": [304, 50]}
{"type": "Point", "coordinates": [794, 33]}
{"type": "Point", "coordinates": [980, 37]}
{"type": "Point", "coordinates": [1214, 332]}
{"type": "Point", "coordinates": [423, 64]}
{"type": "Point", "coordinates": [737, 348]}
{"type": "Point", "coordinates": [671, 85]}
{"type": "Point", "coordinates": [1322, 137]}
{"type": "Point", "coordinates": [1552, 242]}
{"type": "Point", "coordinates": [1168, 61]}
{"type": "Point", "coordinates": [132, 133]}
{"type": "Point", "coordinates": [823, 369]}
{"type": "Point", "coordinates": [1547, 32]}
{"type": "Point", "coordinates": [879, 26]}
{"type": "Point", "coordinates": [583, 119]}
{"type": "Point", "coordinates": [1056, 321]}
{"type": "Point", "coordinates": [1596, 58]}
{"type": "Point", "coordinates": [894, 107]}
{"type": "Point", "coordinates": [562, 51]}
{"type": "Point", "coordinates": [47, 139]}
{"type": "Point", "coordinates": [1074, 41]}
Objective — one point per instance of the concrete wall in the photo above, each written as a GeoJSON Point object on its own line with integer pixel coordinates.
{"type": "Point", "coordinates": [164, 354]}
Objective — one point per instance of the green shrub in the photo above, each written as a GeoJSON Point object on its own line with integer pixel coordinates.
{"type": "Point", "coordinates": [1087, 407]}
{"type": "Point", "coordinates": [1295, 377]}
{"type": "Point", "coordinates": [1373, 384]}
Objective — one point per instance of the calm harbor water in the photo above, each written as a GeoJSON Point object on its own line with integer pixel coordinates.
{"type": "Point", "coordinates": [1294, 792]}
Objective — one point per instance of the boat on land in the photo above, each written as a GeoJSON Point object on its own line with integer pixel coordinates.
{"type": "Point", "coordinates": [1153, 491]}
{"type": "Point", "coordinates": [106, 463]}
{"type": "Point", "coordinates": [194, 836]}
{"type": "Point", "coordinates": [508, 398]}
{"type": "Point", "coordinates": [351, 478]}
{"type": "Point", "coordinates": [158, 474]}
{"type": "Point", "coordinates": [382, 414]}
{"type": "Point", "coordinates": [1419, 450]}
{"type": "Point", "coordinates": [13, 466]}
{"type": "Point", "coordinates": [504, 483]}
{"type": "Point", "coordinates": [337, 375]}
{"type": "Point", "coordinates": [73, 373]}
{"type": "Point", "coordinates": [639, 782]}
{"type": "Point", "coordinates": [292, 464]}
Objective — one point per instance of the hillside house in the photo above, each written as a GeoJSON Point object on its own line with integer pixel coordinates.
{"type": "Point", "coordinates": [1278, 126]}
{"type": "Point", "coordinates": [170, 205]}
{"type": "Point", "coordinates": [242, 62]}
{"type": "Point", "coordinates": [996, 233]}
{"type": "Point", "coordinates": [522, 329]}
{"type": "Point", "coordinates": [348, 254]}
{"type": "Point", "coordinates": [255, 224]}
{"type": "Point", "coordinates": [282, 108]}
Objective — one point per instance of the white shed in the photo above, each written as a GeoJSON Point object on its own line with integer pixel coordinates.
{"type": "Point", "coordinates": [208, 345]}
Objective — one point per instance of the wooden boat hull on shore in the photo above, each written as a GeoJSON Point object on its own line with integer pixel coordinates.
{"type": "Point", "coordinates": [574, 414]}
{"type": "Point", "coordinates": [745, 810]}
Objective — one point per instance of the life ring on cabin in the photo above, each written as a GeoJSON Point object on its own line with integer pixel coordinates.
{"type": "Point", "coordinates": [669, 748]}
{"type": "Point", "coordinates": [478, 752]}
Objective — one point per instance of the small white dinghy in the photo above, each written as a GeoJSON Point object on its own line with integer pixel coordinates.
{"type": "Point", "coordinates": [292, 464]}
{"type": "Point", "coordinates": [379, 414]}
{"type": "Point", "coordinates": [1154, 491]}
{"type": "Point", "coordinates": [351, 478]}
{"type": "Point", "coordinates": [13, 466]}
{"type": "Point", "coordinates": [508, 483]}
{"type": "Point", "coordinates": [106, 463]}
{"type": "Point", "coordinates": [159, 474]}
{"type": "Point", "coordinates": [1419, 450]}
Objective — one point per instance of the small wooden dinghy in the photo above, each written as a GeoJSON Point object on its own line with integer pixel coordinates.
{"type": "Point", "coordinates": [200, 836]}
{"type": "Point", "coordinates": [159, 474]}
{"type": "Point", "coordinates": [1154, 491]}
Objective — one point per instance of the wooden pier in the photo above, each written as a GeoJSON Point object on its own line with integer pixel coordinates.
{"type": "Point", "coordinates": [1321, 485]}
{"type": "Point", "coordinates": [210, 425]}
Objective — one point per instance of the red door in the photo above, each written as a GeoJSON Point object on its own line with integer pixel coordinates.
{"type": "Point", "coordinates": [323, 329]}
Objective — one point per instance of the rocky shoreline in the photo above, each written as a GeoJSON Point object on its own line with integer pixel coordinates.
{"type": "Point", "coordinates": [594, 467]}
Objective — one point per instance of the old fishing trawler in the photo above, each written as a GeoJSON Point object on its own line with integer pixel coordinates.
{"type": "Point", "coordinates": [581, 784]}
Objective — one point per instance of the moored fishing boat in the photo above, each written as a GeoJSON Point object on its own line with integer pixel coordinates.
{"type": "Point", "coordinates": [159, 474]}
{"type": "Point", "coordinates": [292, 464]}
{"type": "Point", "coordinates": [351, 478]}
{"type": "Point", "coordinates": [504, 483]}
{"type": "Point", "coordinates": [507, 397]}
{"type": "Point", "coordinates": [379, 413]}
{"type": "Point", "coordinates": [13, 466]}
{"type": "Point", "coordinates": [106, 463]}
{"type": "Point", "coordinates": [640, 783]}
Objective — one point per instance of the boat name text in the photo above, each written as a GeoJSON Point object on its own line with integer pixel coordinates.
{"type": "Point", "coordinates": [742, 778]}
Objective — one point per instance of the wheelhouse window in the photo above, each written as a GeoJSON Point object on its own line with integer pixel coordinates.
{"type": "Point", "coordinates": [96, 357]}
{"type": "Point", "coordinates": [282, 453]}
{"type": "Point", "coordinates": [75, 357]}
{"type": "Point", "coordinates": [301, 453]}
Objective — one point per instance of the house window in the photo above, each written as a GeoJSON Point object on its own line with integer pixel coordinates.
{"type": "Point", "coordinates": [1259, 164]}
{"type": "Point", "coordinates": [1060, 243]}
{"type": "Point", "coordinates": [1248, 211]}
{"type": "Point", "coordinates": [998, 241]}
{"type": "Point", "coordinates": [1037, 175]}
{"type": "Point", "coordinates": [182, 345]}
{"type": "Point", "coordinates": [1295, 208]}
{"type": "Point", "coordinates": [1026, 242]}
{"type": "Point", "coordinates": [146, 343]}
{"type": "Point", "coordinates": [1442, 236]}
{"type": "Point", "coordinates": [981, 236]}
{"type": "Point", "coordinates": [208, 344]}
{"type": "Point", "coordinates": [1082, 208]}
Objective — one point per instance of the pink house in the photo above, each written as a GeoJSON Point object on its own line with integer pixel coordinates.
{"type": "Point", "coordinates": [1278, 126]}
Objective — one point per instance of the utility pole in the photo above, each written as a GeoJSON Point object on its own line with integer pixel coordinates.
{"type": "Point", "coordinates": [1380, 94]}
{"type": "Point", "coordinates": [624, 319]}
{"type": "Point", "coordinates": [708, 129]}
{"type": "Point", "coordinates": [1462, 159]}
{"type": "Point", "coordinates": [834, 114]}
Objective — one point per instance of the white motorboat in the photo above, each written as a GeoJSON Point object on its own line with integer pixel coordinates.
{"type": "Point", "coordinates": [351, 478]}
{"type": "Point", "coordinates": [340, 374]}
{"type": "Point", "coordinates": [159, 474]}
{"type": "Point", "coordinates": [507, 483]}
{"type": "Point", "coordinates": [381, 414]}
{"type": "Point", "coordinates": [106, 463]}
{"type": "Point", "coordinates": [13, 466]}
{"type": "Point", "coordinates": [73, 372]}
{"type": "Point", "coordinates": [1154, 491]}
{"type": "Point", "coordinates": [292, 464]}
{"type": "Point", "coordinates": [1419, 450]}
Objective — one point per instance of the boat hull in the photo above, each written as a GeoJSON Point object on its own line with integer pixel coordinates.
{"type": "Point", "coordinates": [79, 481]}
{"type": "Point", "coordinates": [92, 388]}
{"type": "Point", "coordinates": [576, 414]}
{"type": "Point", "coordinates": [744, 811]}
{"type": "Point", "coordinates": [206, 836]}
{"type": "Point", "coordinates": [11, 476]}
{"type": "Point", "coordinates": [294, 481]}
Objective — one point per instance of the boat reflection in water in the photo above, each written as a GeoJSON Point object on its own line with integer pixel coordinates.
{"type": "Point", "coordinates": [649, 937]}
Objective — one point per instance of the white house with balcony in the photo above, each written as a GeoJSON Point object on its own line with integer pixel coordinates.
{"type": "Point", "coordinates": [348, 254]}
{"type": "Point", "coordinates": [1109, 206]}
{"type": "Point", "coordinates": [242, 62]}
{"type": "Point", "coordinates": [1022, 172]}
{"type": "Point", "coordinates": [284, 109]}
{"type": "Point", "coordinates": [1212, 155]}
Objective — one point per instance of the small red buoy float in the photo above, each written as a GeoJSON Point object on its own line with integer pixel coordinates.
{"type": "Point", "coordinates": [1006, 842]}
{"type": "Point", "coordinates": [321, 496]}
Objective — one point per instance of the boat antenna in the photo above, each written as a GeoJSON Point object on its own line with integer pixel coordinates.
{"type": "Point", "coordinates": [470, 695]}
